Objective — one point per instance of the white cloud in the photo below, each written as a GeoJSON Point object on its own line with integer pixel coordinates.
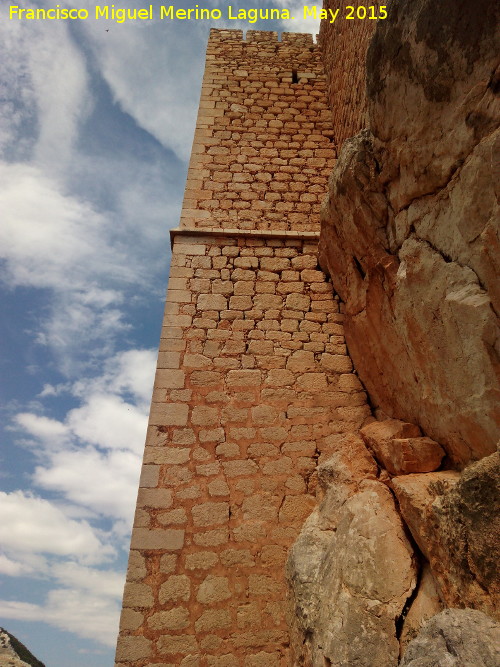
{"type": "Point", "coordinates": [17, 98]}
{"type": "Point", "coordinates": [129, 371]}
{"type": "Point", "coordinates": [51, 431]}
{"type": "Point", "coordinates": [155, 80]}
{"type": "Point", "coordinates": [43, 73]}
{"type": "Point", "coordinates": [85, 614]}
{"type": "Point", "coordinates": [61, 91]}
{"type": "Point", "coordinates": [92, 457]}
{"type": "Point", "coordinates": [79, 335]}
{"type": "Point", "coordinates": [34, 525]}
{"type": "Point", "coordinates": [109, 422]}
{"type": "Point", "coordinates": [89, 461]}
{"type": "Point", "coordinates": [97, 582]}
{"type": "Point", "coordinates": [23, 611]}
{"type": "Point", "coordinates": [153, 70]}
{"type": "Point", "coordinates": [51, 239]}
{"type": "Point", "coordinates": [14, 568]}
{"type": "Point", "coordinates": [105, 483]}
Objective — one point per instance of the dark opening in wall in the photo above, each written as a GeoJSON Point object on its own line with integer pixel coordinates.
{"type": "Point", "coordinates": [295, 76]}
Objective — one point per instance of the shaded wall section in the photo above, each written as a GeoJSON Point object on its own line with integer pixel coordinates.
{"type": "Point", "coordinates": [410, 231]}
{"type": "Point", "coordinates": [344, 44]}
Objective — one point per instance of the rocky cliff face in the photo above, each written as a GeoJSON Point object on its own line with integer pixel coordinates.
{"type": "Point", "coordinates": [410, 231]}
{"type": "Point", "coordinates": [408, 517]}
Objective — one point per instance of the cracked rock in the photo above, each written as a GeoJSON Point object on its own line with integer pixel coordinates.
{"type": "Point", "coordinates": [410, 232]}
{"type": "Point", "coordinates": [456, 638]}
{"type": "Point", "coordinates": [351, 569]}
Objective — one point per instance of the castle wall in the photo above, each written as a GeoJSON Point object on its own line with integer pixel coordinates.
{"type": "Point", "coordinates": [262, 147]}
{"type": "Point", "coordinates": [253, 383]}
{"type": "Point", "coordinates": [344, 44]}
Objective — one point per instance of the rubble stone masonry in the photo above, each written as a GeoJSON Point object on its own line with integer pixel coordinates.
{"type": "Point", "coordinates": [262, 148]}
{"type": "Point", "coordinates": [253, 383]}
{"type": "Point", "coordinates": [344, 44]}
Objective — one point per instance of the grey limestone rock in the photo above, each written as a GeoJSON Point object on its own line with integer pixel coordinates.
{"type": "Point", "coordinates": [456, 638]}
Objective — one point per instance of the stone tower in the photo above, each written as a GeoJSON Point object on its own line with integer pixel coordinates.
{"type": "Point", "coordinates": [253, 382]}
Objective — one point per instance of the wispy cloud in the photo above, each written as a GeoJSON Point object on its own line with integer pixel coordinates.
{"type": "Point", "coordinates": [89, 463]}
{"type": "Point", "coordinates": [85, 614]}
{"type": "Point", "coordinates": [49, 238]}
{"type": "Point", "coordinates": [55, 241]}
{"type": "Point", "coordinates": [100, 440]}
{"type": "Point", "coordinates": [154, 78]}
{"type": "Point", "coordinates": [34, 525]}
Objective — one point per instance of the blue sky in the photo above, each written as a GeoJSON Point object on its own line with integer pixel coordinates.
{"type": "Point", "coordinates": [95, 133]}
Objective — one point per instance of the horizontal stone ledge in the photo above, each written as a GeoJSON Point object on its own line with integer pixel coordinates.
{"type": "Point", "coordinates": [253, 233]}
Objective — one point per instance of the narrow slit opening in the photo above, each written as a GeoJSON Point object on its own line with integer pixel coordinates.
{"type": "Point", "coordinates": [295, 76]}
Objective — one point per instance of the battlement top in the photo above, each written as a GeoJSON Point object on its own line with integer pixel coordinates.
{"type": "Point", "coordinates": [226, 35]}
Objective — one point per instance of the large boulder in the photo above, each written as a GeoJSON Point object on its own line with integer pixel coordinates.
{"type": "Point", "coordinates": [399, 448]}
{"type": "Point", "coordinates": [410, 230]}
{"type": "Point", "coordinates": [456, 638]}
{"type": "Point", "coordinates": [456, 523]}
{"type": "Point", "coordinates": [352, 568]}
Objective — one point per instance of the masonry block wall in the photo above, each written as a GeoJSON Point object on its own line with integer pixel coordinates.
{"type": "Point", "coordinates": [253, 383]}
{"type": "Point", "coordinates": [262, 148]}
{"type": "Point", "coordinates": [344, 44]}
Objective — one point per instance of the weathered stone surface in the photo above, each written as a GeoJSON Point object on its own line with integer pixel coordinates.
{"type": "Point", "coordinates": [399, 447]}
{"type": "Point", "coordinates": [352, 569]}
{"type": "Point", "coordinates": [461, 637]}
{"type": "Point", "coordinates": [174, 619]}
{"type": "Point", "coordinates": [455, 521]}
{"type": "Point", "coordinates": [409, 234]}
{"type": "Point", "coordinates": [213, 589]}
{"type": "Point", "coordinates": [426, 604]}
{"type": "Point", "coordinates": [133, 647]}
{"type": "Point", "coordinates": [349, 463]}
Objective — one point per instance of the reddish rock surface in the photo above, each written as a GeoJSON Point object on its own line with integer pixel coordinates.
{"type": "Point", "coordinates": [410, 231]}
{"type": "Point", "coordinates": [454, 520]}
{"type": "Point", "coordinates": [426, 604]}
{"type": "Point", "coordinates": [400, 449]}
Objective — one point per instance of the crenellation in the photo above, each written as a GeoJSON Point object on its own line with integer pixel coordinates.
{"type": "Point", "coordinates": [261, 36]}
